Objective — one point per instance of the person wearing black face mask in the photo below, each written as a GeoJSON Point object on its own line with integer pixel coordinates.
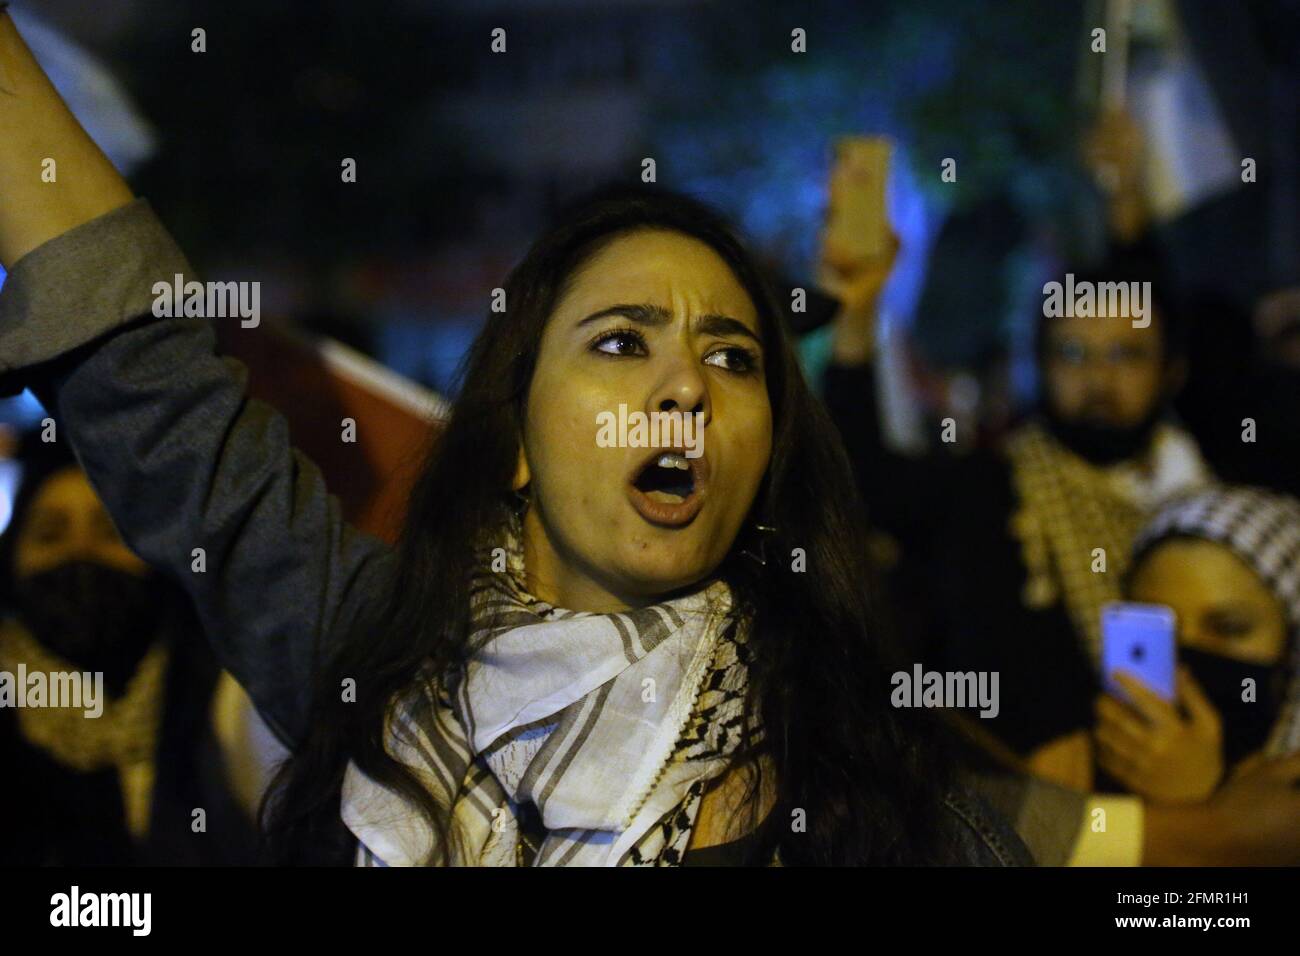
{"type": "Point", "coordinates": [1246, 722]}
{"type": "Point", "coordinates": [118, 787]}
{"type": "Point", "coordinates": [1008, 553]}
{"type": "Point", "coordinates": [1227, 561]}
{"type": "Point", "coordinates": [96, 616]}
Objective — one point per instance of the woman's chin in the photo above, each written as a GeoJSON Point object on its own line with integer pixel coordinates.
{"type": "Point", "coordinates": [661, 575]}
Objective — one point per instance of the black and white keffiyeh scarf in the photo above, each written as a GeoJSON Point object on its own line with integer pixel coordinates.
{"type": "Point", "coordinates": [595, 721]}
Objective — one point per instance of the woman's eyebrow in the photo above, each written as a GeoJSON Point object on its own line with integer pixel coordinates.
{"type": "Point", "coordinates": [640, 314]}
{"type": "Point", "coordinates": [709, 324]}
{"type": "Point", "coordinates": [725, 325]}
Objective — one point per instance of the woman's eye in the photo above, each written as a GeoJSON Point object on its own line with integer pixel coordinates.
{"type": "Point", "coordinates": [732, 359]}
{"type": "Point", "coordinates": [619, 343]}
{"type": "Point", "coordinates": [1231, 625]}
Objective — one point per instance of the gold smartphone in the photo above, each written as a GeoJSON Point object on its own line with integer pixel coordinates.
{"type": "Point", "coordinates": [857, 225]}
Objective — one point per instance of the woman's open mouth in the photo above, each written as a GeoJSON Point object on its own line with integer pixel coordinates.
{"type": "Point", "coordinates": [668, 488]}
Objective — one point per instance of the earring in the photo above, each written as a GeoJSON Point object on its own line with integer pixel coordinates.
{"type": "Point", "coordinates": [763, 531]}
{"type": "Point", "coordinates": [521, 502]}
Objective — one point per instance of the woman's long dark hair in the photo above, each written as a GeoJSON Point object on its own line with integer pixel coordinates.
{"type": "Point", "coordinates": [865, 787]}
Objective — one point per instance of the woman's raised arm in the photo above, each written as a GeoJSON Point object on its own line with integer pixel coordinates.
{"type": "Point", "coordinates": [201, 480]}
{"type": "Point", "coordinates": [52, 175]}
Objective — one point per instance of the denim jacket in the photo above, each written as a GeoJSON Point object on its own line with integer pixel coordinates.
{"type": "Point", "coordinates": [185, 460]}
{"type": "Point", "coordinates": [980, 835]}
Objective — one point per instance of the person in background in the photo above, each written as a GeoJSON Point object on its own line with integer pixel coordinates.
{"type": "Point", "coordinates": [1010, 552]}
{"type": "Point", "coordinates": [1242, 395]}
{"type": "Point", "coordinates": [1227, 561]}
{"type": "Point", "coordinates": [121, 788]}
{"type": "Point", "coordinates": [957, 520]}
{"type": "Point", "coordinates": [1211, 780]}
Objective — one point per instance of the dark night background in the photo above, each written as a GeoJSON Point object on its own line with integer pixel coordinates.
{"type": "Point", "coordinates": [463, 153]}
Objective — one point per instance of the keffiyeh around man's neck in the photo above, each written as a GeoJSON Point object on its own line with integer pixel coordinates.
{"type": "Point", "coordinates": [576, 713]}
{"type": "Point", "coordinates": [1072, 514]}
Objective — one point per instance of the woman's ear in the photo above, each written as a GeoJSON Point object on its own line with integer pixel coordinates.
{"type": "Point", "coordinates": [522, 474]}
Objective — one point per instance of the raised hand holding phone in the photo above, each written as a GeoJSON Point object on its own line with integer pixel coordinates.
{"type": "Point", "coordinates": [858, 247]}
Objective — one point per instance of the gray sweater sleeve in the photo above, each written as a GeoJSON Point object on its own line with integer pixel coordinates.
{"type": "Point", "coordinates": [185, 460]}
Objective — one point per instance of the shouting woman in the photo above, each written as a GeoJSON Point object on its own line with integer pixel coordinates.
{"type": "Point", "coordinates": [577, 654]}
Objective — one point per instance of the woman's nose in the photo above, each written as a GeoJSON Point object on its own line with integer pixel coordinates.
{"type": "Point", "coordinates": [684, 389]}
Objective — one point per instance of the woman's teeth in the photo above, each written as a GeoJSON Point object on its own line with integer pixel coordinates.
{"type": "Point", "coordinates": [665, 491]}
{"type": "Point", "coordinates": [669, 479]}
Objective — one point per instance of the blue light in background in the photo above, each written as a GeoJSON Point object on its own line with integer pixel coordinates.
{"type": "Point", "coordinates": [10, 473]}
{"type": "Point", "coordinates": [21, 412]}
